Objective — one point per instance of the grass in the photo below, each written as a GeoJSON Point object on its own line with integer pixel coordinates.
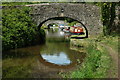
{"type": "Point", "coordinates": [111, 41]}
{"type": "Point", "coordinates": [95, 64]}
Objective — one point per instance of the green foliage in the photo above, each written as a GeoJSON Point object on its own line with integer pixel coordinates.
{"type": "Point", "coordinates": [42, 36]}
{"type": "Point", "coordinates": [111, 41]}
{"type": "Point", "coordinates": [73, 23]}
{"type": "Point", "coordinates": [108, 16]}
{"type": "Point", "coordinates": [18, 28]}
{"type": "Point", "coordinates": [95, 64]}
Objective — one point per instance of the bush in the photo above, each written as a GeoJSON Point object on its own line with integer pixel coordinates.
{"type": "Point", "coordinates": [18, 28]}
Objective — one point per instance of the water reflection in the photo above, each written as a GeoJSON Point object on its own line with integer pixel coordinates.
{"type": "Point", "coordinates": [61, 59]}
{"type": "Point", "coordinates": [59, 55]}
{"type": "Point", "coordinates": [54, 32]}
{"type": "Point", "coordinates": [56, 51]}
{"type": "Point", "coordinates": [42, 60]}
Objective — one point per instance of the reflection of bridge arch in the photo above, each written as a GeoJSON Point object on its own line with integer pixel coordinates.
{"type": "Point", "coordinates": [71, 54]}
{"type": "Point", "coordinates": [55, 65]}
{"type": "Point", "coordinates": [72, 64]}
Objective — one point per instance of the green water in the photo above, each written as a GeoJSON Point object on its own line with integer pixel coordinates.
{"type": "Point", "coordinates": [41, 61]}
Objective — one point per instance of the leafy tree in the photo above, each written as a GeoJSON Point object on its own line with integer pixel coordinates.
{"type": "Point", "coordinates": [108, 16]}
{"type": "Point", "coordinates": [18, 28]}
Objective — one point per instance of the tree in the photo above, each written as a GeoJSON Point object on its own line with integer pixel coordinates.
{"type": "Point", "coordinates": [108, 16]}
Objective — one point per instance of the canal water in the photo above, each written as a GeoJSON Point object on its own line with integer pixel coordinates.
{"type": "Point", "coordinates": [42, 61]}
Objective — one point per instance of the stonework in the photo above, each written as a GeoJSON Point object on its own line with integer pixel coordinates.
{"type": "Point", "coordinates": [87, 14]}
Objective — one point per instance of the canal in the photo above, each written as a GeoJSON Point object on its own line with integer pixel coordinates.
{"type": "Point", "coordinates": [43, 61]}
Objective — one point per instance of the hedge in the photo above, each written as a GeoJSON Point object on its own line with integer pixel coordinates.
{"type": "Point", "coordinates": [18, 29]}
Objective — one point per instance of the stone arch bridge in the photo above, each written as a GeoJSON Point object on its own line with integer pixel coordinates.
{"type": "Point", "coordinates": [87, 14]}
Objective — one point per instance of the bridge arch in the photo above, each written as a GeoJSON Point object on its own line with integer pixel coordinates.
{"type": "Point", "coordinates": [87, 14]}
{"type": "Point", "coordinates": [86, 30]}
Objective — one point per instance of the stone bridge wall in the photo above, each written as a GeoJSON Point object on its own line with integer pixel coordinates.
{"type": "Point", "coordinates": [87, 14]}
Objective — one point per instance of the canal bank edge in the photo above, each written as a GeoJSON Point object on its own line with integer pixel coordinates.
{"type": "Point", "coordinates": [101, 68]}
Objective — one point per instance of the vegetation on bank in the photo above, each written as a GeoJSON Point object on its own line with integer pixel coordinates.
{"type": "Point", "coordinates": [95, 64]}
{"type": "Point", "coordinates": [98, 61]}
{"type": "Point", "coordinates": [18, 29]}
{"type": "Point", "coordinates": [111, 41]}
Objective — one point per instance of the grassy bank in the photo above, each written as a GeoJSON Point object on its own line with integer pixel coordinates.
{"type": "Point", "coordinates": [112, 45]}
{"type": "Point", "coordinates": [111, 41]}
{"type": "Point", "coordinates": [95, 64]}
